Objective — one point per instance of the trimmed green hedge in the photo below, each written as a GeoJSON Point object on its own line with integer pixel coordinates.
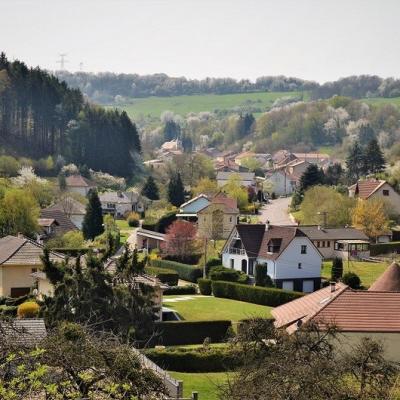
{"type": "Point", "coordinates": [187, 289]}
{"type": "Point", "coordinates": [205, 286]}
{"type": "Point", "coordinates": [165, 275]}
{"type": "Point", "coordinates": [384, 248]}
{"type": "Point", "coordinates": [253, 294]}
{"type": "Point", "coordinates": [192, 332]}
{"type": "Point", "coordinates": [211, 359]}
{"type": "Point", "coordinates": [186, 272]}
{"type": "Point", "coordinates": [221, 273]}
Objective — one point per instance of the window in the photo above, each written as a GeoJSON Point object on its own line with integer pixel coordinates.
{"type": "Point", "coordinates": [33, 270]}
{"type": "Point", "coordinates": [385, 192]}
{"type": "Point", "coordinates": [274, 245]}
{"type": "Point", "coordinates": [230, 219]}
{"type": "Point", "coordinates": [232, 263]}
{"type": "Point", "coordinates": [328, 243]}
{"type": "Point", "coordinates": [318, 244]}
{"type": "Point", "coordinates": [323, 243]}
{"type": "Point", "coordinates": [303, 249]}
{"type": "Point", "coordinates": [299, 265]}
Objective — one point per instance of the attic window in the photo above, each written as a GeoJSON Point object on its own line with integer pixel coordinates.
{"type": "Point", "coordinates": [274, 245]}
{"type": "Point", "coordinates": [385, 192]}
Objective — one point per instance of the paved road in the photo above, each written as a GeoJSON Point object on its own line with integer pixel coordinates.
{"type": "Point", "coordinates": [276, 212]}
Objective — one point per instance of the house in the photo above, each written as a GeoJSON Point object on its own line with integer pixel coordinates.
{"type": "Point", "coordinates": [79, 184]}
{"type": "Point", "coordinates": [19, 258]}
{"type": "Point", "coordinates": [25, 332]}
{"type": "Point", "coordinates": [149, 240]}
{"type": "Point", "coordinates": [320, 159]}
{"type": "Point", "coordinates": [120, 203]}
{"type": "Point", "coordinates": [155, 165]}
{"type": "Point", "coordinates": [294, 263]}
{"type": "Point", "coordinates": [54, 223]}
{"type": "Point", "coordinates": [355, 313]}
{"type": "Point", "coordinates": [73, 210]}
{"type": "Point", "coordinates": [344, 243]}
{"type": "Point", "coordinates": [376, 189]}
{"type": "Point", "coordinates": [246, 178]}
{"type": "Point", "coordinates": [217, 219]}
{"type": "Point", "coordinates": [282, 183]}
{"type": "Point", "coordinates": [189, 210]}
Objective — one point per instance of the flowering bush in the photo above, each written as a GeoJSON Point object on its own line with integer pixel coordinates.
{"type": "Point", "coordinates": [29, 309]}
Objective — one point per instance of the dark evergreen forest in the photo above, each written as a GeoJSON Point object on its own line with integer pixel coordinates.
{"type": "Point", "coordinates": [40, 116]}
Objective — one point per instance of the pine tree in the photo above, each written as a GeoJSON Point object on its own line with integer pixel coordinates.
{"type": "Point", "coordinates": [176, 191]}
{"type": "Point", "coordinates": [171, 130]}
{"type": "Point", "coordinates": [150, 189]}
{"type": "Point", "coordinates": [62, 182]}
{"type": "Point", "coordinates": [92, 225]}
{"type": "Point", "coordinates": [311, 177]}
{"type": "Point", "coordinates": [337, 269]}
{"type": "Point", "coordinates": [355, 162]}
{"type": "Point", "coordinates": [374, 162]}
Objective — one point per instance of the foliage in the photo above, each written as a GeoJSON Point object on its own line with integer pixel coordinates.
{"type": "Point", "coordinates": [205, 286]}
{"type": "Point", "coordinates": [311, 177]}
{"type": "Point", "coordinates": [370, 216]}
{"type": "Point", "coordinates": [185, 271]}
{"type": "Point", "coordinates": [177, 290]}
{"type": "Point", "coordinates": [374, 162]}
{"type": "Point", "coordinates": [384, 248]}
{"type": "Point", "coordinates": [176, 192]}
{"type": "Point", "coordinates": [150, 189]}
{"type": "Point", "coordinates": [355, 164]}
{"type": "Point", "coordinates": [221, 273]}
{"type": "Point", "coordinates": [337, 269]}
{"type": "Point", "coordinates": [253, 294]}
{"type": "Point", "coordinates": [106, 181]}
{"type": "Point", "coordinates": [92, 225]}
{"type": "Point", "coordinates": [261, 274]}
{"type": "Point", "coordinates": [164, 275]}
{"type": "Point", "coordinates": [29, 309]}
{"type": "Point", "coordinates": [9, 166]}
{"type": "Point", "coordinates": [351, 279]}
{"type": "Point", "coordinates": [235, 191]}
{"type": "Point", "coordinates": [205, 186]}
{"type": "Point", "coordinates": [133, 219]}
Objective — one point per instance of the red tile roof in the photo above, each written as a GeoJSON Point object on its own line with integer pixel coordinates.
{"type": "Point", "coordinates": [79, 181]}
{"type": "Point", "coordinates": [389, 281]}
{"type": "Point", "coordinates": [222, 198]}
{"type": "Point", "coordinates": [364, 189]}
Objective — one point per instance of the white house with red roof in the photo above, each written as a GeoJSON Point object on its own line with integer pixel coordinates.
{"type": "Point", "coordinates": [79, 184]}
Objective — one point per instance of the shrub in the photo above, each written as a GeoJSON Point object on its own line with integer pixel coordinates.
{"type": "Point", "coordinates": [29, 309]}
{"type": "Point", "coordinates": [337, 269]}
{"type": "Point", "coordinates": [213, 262]}
{"type": "Point", "coordinates": [187, 289]}
{"type": "Point", "coordinates": [205, 286]}
{"type": "Point", "coordinates": [261, 274]}
{"type": "Point", "coordinates": [185, 271]}
{"type": "Point", "coordinates": [211, 359]}
{"type": "Point", "coordinates": [192, 332]}
{"type": "Point", "coordinates": [8, 311]}
{"type": "Point", "coordinates": [165, 275]}
{"type": "Point", "coordinates": [384, 248]}
{"type": "Point", "coordinates": [351, 279]}
{"type": "Point", "coordinates": [133, 219]}
{"type": "Point", "coordinates": [253, 294]}
{"type": "Point", "coordinates": [221, 273]}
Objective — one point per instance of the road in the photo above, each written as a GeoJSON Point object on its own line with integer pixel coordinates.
{"type": "Point", "coordinates": [276, 212]}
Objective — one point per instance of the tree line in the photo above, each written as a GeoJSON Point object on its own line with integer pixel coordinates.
{"type": "Point", "coordinates": [40, 116]}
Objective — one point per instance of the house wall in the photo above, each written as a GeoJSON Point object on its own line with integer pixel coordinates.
{"type": "Point", "coordinates": [45, 287]}
{"type": "Point", "coordinates": [195, 206]}
{"type": "Point", "coordinates": [144, 242]}
{"type": "Point", "coordinates": [327, 251]}
{"type": "Point", "coordinates": [278, 181]}
{"type": "Point", "coordinates": [237, 258]}
{"type": "Point", "coordinates": [393, 199]}
{"type": "Point", "coordinates": [79, 189]}
{"type": "Point", "coordinates": [16, 276]}
{"type": "Point", "coordinates": [205, 222]}
{"type": "Point", "coordinates": [246, 183]}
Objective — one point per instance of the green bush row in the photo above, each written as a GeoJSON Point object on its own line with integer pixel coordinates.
{"type": "Point", "coordinates": [8, 311]}
{"type": "Point", "coordinates": [221, 273]}
{"type": "Point", "coordinates": [211, 359]}
{"type": "Point", "coordinates": [384, 248]}
{"type": "Point", "coordinates": [205, 286]}
{"type": "Point", "coordinates": [253, 294]}
{"type": "Point", "coordinates": [187, 289]}
{"type": "Point", "coordinates": [186, 272]}
{"type": "Point", "coordinates": [165, 275]}
{"type": "Point", "coordinates": [192, 332]}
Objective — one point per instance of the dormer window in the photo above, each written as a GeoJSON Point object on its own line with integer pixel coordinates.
{"type": "Point", "coordinates": [274, 245]}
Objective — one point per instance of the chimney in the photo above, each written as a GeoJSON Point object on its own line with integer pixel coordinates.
{"type": "Point", "coordinates": [333, 286]}
{"type": "Point", "coordinates": [319, 227]}
{"type": "Point", "coordinates": [267, 225]}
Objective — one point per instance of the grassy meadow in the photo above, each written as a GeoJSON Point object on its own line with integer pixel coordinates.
{"type": "Point", "coordinates": [382, 100]}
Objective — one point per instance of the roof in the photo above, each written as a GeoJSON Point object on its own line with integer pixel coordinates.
{"type": "Point", "coordinates": [70, 206]}
{"type": "Point", "coordinates": [151, 234]}
{"type": "Point", "coordinates": [115, 197]}
{"type": "Point", "coordinates": [24, 331]}
{"type": "Point", "coordinates": [251, 236]}
{"type": "Point", "coordinates": [79, 181]}
{"type": "Point", "coordinates": [315, 232]}
{"type": "Point", "coordinates": [46, 222]}
{"type": "Point", "coordinates": [245, 154]}
{"type": "Point", "coordinates": [321, 156]}
{"type": "Point", "coordinates": [63, 223]}
{"type": "Point", "coordinates": [304, 308]}
{"type": "Point", "coordinates": [222, 198]}
{"type": "Point", "coordinates": [244, 176]}
{"type": "Point", "coordinates": [389, 281]}
{"type": "Point", "coordinates": [23, 251]}
{"type": "Point", "coordinates": [200, 196]}
{"type": "Point", "coordinates": [365, 189]}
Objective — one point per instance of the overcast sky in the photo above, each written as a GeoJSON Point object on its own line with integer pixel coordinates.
{"type": "Point", "coordinates": [312, 39]}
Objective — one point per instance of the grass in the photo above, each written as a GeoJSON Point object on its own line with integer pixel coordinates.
{"type": "Point", "coordinates": [206, 384]}
{"type": "Point", "coordinates": [382, 100]}
{"type": "Point", "coordinates": [125, 230]}
{"type": "Point", "coordinates": [155, 106]}
{"type": "Point", "coordinates": [367, 271]}
{"type": "Point", "coordinates": [212, 308]}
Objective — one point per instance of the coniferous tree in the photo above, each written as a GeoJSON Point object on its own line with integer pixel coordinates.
{"type": "Point", "coordinates": [337, 269]}
{"type": "Point", "coordinates": [176, 191]}
{"type": "Point", "coordinates": [172, 130]}
{"type": "Point", "coordinates": [311, 177]}
{"type": "Point", "coordinates": [92, 225]}
{"type": "Point", "coordinates": [333, 174]}
{"type": "Point", "coordinates": [62, 182]}
{"type": "Point", "coordinates": [355, 162]}
{"type": "Point", "coordinates": [150, 189]}
{"type": "Point", "coordinates": [374, 162]}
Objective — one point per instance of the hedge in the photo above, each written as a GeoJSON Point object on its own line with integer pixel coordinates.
{"type": "Point", "coordinates": [185, 271]}
{"type": "Point", "coordinates": [221, 273]}
{"type": "Point", "coordinates": [253, 294]}
{"type": "Point", "coordinates": [384, 248]}
{"type": "Point", "coordinates": [187, 289]}
{"type": "Point", "coordinates": [192, 332]}
{"type": "Point", "coordinates": [212, 359]}
{"type": "Point", "coordinates": [165, 275]}
{"type": "Point", "coordinates": [205, 286]}
{"type": "Point", "coordinates": [71, 251]}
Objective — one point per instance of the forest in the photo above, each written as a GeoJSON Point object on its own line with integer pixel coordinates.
{"type": "Point", "coordinates": [41, 116]}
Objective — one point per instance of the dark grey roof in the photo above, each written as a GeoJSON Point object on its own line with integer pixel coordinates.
{"type": "Point", "coordinates": [69, 206]}
{"type": "Point", "coordinates": [244, 176]}
{"type": "Point", "coordinates": [316, 233]}
{"type": "Point", "coordinates": [251, 236]}
{"type": "Point", "coordinates": [115, 197]}
{"type": "Point", "coordinates": [26, 332]}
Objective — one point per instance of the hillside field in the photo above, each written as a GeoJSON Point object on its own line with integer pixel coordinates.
{"type": "Point", "coordinates": [378, 101]}
{"type": "Point", "coordinates": [182, 105]}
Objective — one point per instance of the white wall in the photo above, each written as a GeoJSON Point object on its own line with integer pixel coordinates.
{"type": "Point", "coordinates": [237, 260]}
{"type": "Point", "coordinates": [278, 181]}
{"type": "Point", "coordinates": [393, 199]}
{"type": "Point", "coordinates": [77, 189]}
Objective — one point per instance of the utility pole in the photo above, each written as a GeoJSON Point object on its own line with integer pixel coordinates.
{"type": "Point", "coordinates": [81, 66]}
{"type": "Point", "coordinates": [205, 257]}
{"type": "Point", "coordinates": [62, 61]}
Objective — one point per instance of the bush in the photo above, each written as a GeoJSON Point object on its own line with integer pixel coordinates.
{"type": "Point", "coordinates": [221, 273]}
{"type": "Point", "coordinates": [192, 332]}
{"type": "Point", "coordinates": [185, 271]}
{"type": "Point", "coordinates": [213, 262]}
{"type": "Point", "coordinates": [8, 311]}
{"type": "Point", "coordinates": [71, 251]}
{"type": "Point", "coordinates": [261, 274]}
{"type": "Point", "coordinates": [384, 248]}
{"type": "Point", "coordinates": [167, 276]}
{"type": "Point", "coordinates": [187, 289]}
{"type": "Point", "coordinates": [337, 269]}
{"type": "Point", "coordinates": [29, 309]}
{"type": "Point", "coordinates": [253, 294]}
{"type": "Point", "coordinates": [205, 286]}
{"type": "Point", "coordinates": [351, 279]}
{"type": "Point", "coordinates": [212, 359]}
{"type": "Point", "coordinates": [133, 220]}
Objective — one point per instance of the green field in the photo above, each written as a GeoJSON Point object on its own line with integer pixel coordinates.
{"type": "Point", "coordinates": [206, 308]}
{"type": "Point", "coordinates": [382, 100]}
{"type": "Point", "coordinates": [205, 384]}
{"type": "Point", "coordinates": [182, 105]}
{"type": "Point", "coordinates": [367, 271]}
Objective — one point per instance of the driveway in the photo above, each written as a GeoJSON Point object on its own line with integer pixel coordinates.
{"type": "Point", "coordinates": [276, 212]}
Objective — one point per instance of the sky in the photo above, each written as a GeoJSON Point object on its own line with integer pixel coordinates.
{"type": "Point", "coordinates": [319, 40]}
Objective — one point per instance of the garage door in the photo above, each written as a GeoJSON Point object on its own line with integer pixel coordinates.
{"type": "Point", "coordinates": [288, 285]}
{"type": "Point", "coordinates": [308, 286]}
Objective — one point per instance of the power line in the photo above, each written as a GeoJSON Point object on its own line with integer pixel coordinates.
{"type": "Point", "coordinates": [62, 61]}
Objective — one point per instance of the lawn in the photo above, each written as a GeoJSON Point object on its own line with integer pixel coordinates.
{"type": "Point", "coordinates": [367, 271]}
{"type": "Point", "coordinates": [155, 106]}
{"type": "Point", "coordinates": [125, 230]}
{"type": "Point", "coordinates": [206, 384]}
{"type": "Point", "coordinates": [205, 308]}
{"type": "Point", "coordinates": [382, 100]}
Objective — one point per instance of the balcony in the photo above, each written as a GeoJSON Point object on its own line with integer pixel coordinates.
{"type": "Point", "coordinates": [234, 250]}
